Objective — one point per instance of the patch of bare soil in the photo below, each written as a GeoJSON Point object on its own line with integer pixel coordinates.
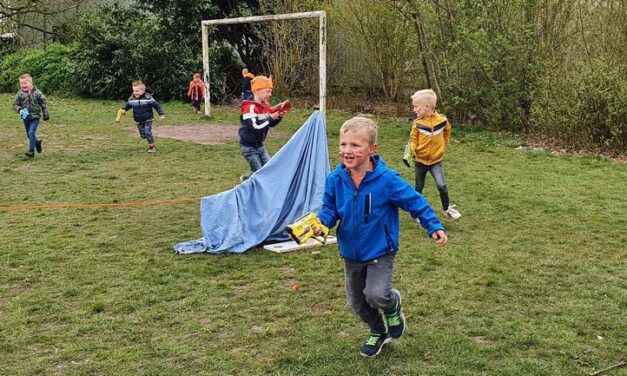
{"type": "Point", "coordinates": [205, 134]}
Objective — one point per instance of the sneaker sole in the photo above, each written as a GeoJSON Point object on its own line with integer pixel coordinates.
{"type": "Point", "coordinates": [402, 315]}
{"type": "Point", "coordinates": [380, 348]}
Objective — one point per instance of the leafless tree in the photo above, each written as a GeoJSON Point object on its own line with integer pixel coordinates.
{"type": "Point", "coordinates": [33, 19]}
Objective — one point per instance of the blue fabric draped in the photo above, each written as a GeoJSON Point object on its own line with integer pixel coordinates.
{"type": "Point", "coordinates": [257, 211]}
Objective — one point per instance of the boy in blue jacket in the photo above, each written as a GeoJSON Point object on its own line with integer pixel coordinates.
{"type": "Point", "coordinates": [365, 195]}
{"type": "Point", "coordinates": [142, 104]}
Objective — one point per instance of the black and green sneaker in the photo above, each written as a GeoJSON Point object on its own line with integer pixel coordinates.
{"type": "Point", "coordinates": [395, 320]}
{"type": "Point", "coordinates": [374, 344]}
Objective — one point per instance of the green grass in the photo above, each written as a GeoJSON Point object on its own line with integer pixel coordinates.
{"type": "Point", "coordinates": [533, 281]}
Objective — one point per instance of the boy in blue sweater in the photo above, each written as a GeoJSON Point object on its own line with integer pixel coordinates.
{"type": "Point", "coordinates": [142, 104]}
{"type": "Point", "coordinates": [365, 195]}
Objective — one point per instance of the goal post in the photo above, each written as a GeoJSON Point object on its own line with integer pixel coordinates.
{"type": "Point", "coordinates": [322, 46]}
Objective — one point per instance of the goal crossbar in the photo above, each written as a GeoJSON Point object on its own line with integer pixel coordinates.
{"type": "Point", "coordinates": [322, 41]}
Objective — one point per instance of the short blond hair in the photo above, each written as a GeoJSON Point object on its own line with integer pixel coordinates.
{"type": "Point", "coordinates": [362, 125]}
{"type": "Point", "coordinates": [426, 95]}
{"type": "Point", "coordinates": [26, 76]}
{"type": "Point", "coordinates": [138, 83]}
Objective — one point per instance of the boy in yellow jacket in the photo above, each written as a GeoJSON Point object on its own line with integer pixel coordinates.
{"type": "Point", "coordinates": [429, 137]}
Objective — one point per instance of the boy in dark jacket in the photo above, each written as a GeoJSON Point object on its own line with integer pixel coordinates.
{"type": "Point", "coordinates": [247, 93]}
{"type": "Point", "coordinates": [142, 104]}
{"type": "Point", "coordinates": [256, 120]}
{"type": "Point", "coordinates": [31, 104]}
{"type": "Point", "coordinates": [365, 195]}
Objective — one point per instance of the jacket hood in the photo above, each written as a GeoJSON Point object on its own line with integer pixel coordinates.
{"type": "Point", "coordinates": [146, 95]}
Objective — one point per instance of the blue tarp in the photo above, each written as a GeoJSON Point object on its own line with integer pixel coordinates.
{"type": "Point", "coordinates": [290, 185]}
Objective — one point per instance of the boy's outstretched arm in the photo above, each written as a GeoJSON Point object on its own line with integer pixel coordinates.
{"type": "Point", "coordinates": [328, 215]}
{"type": "Point", "coordinates": [405, 197]}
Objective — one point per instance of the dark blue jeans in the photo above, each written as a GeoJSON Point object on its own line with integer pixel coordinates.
{"type": "Point", "coordinates": [256, 157]}
{"type": "Point", "coordinates": [31, 130]}
{"type": "Point", "coordinates": [145, 131]}
{"type": "Point", "coordinates": [369, 289]}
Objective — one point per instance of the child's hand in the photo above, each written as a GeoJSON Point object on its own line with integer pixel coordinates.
{"type": "Point", "coordinates": [274, 115]}
{"type": "Point", "coordinates": [440, 237]}
{"type": "Point", "coordinates": [161, 117]}
{"type": "Point", "coordinates": [317, 230]}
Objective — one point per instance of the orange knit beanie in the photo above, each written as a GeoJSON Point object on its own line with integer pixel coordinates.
{"type": "Point", "coordinates": [261, 82]}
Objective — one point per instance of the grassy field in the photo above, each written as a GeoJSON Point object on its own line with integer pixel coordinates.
{"type": "Point", "coordinates": [533, 281]}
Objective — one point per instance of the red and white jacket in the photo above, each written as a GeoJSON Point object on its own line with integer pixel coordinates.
{"type": "Point", "coordinates": [255, 122]}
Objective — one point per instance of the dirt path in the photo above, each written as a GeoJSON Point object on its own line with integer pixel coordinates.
{"type": "Point", "coordinates": [205, 134]}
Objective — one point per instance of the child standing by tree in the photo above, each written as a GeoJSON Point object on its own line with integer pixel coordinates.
{"type": "Point", "coordinates": [142, 104]}
{"type": "Point", "coordinates": [196, 92]}
{"type": "Point", "coordinates": [247, 77]}
{"type": "Point", "coordinates": [31, 104]}
{"type": "Point", "coordinates": [256, 120]}
{"type": "Point", "coordinates": [365, 195]}
{"type": "Point", "coordinates": [429, 137]}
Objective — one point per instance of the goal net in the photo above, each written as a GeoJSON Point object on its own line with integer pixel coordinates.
{"type": "Point", "coordinates": [321, 15]}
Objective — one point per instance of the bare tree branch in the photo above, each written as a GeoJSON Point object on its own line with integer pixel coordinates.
{"type": "Point", "coordinates": [36, 7]}
{"type": "Point", "coordinates": [33, 27]}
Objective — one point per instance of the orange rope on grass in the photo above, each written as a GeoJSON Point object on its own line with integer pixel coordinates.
{"type": "Point", "coordinates": [98, 205]}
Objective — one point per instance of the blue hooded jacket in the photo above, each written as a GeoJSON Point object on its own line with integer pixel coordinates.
{"type": "Point", "coordinates": [369, 217]}
{"type": "Point", "coordinates": [142, 107]}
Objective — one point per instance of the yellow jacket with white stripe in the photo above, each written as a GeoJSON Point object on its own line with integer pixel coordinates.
{"type": "Point", "coordinates": [429, 137]}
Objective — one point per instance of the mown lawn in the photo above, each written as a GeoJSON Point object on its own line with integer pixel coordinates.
{"type": "Point", "coordinates": [533, 281]}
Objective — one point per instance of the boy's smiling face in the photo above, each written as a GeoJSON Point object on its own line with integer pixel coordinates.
{"type": "Point", "coordinates": [138, 91]}
{"type": "Point", "coordinates": [25, 84]}
{"type": "Point", "coordinates": [355, 151]}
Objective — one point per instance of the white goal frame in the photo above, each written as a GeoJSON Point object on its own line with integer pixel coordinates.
{"type": "Point", "coordinates": [322, 41]}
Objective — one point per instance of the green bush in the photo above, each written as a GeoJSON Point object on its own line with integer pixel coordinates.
{"type": "Point", "coordinates": [590, 110]}
{"type": "Point", "coordinates": [49, 67]}
{"type": "Point", "coordinates": [7, 49]}
{"type": "Point", "coordinates": [117, 45]}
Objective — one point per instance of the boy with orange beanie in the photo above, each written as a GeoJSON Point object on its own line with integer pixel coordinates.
{"type": "Point", "coordinates": [256, 120]}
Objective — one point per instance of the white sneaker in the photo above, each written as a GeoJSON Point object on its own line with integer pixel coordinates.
{"type": "Point", "coordinates": [152, 149]}
{"type": "Point", "coordinates": [452, 212]}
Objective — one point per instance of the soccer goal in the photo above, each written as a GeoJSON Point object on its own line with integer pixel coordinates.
{"type": "Point", "coordinates": [322, 41]}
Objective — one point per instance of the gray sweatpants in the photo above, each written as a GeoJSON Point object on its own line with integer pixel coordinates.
{"type": "Point", "coordinates": [437, 171]}
{"type": "Point", "coordinates": [369, 289]}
